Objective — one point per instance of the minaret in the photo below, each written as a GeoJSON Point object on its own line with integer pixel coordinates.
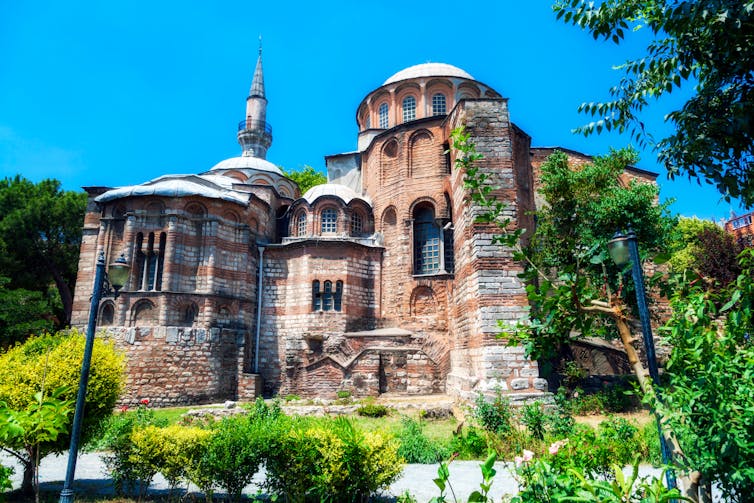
{"type": "Point", "coordinates": [254, 134]}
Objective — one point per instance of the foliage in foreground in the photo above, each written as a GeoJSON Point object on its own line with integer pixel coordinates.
{"type": "Point", "coordinates": [709, 398]}
{"type": "Point", "coordinates": [305, 459]}
{"type": "Point", "coordinates": [38, 388]}
{"type": "Point", "coordinates": [706, 47]}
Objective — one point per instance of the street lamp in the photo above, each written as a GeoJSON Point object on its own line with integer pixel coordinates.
{"type": "Point", "coordinates": [105, 285]}
{"type": "Point", "coordinates": [624, 248]}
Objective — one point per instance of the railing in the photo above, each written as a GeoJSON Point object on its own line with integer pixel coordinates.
{"type": "Point", "coordinates": [254, 124]}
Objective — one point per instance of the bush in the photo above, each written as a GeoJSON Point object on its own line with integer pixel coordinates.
{"type": "Point", "coordinates": [5, 484]}
{"type": "Point", "coordinates": [372, 410]}
{"type": "Point", "coordinates": [328, 460]}
{"type": "Point", "coordinates": [232, 456]}
{"type": "Point", "coordinates": [126, 474]}
{"type": "Point", "coordinates": [533, 416]}
{"type": "Point", "coordinates": [170, 451]}
{"type": "Point", "coordinates": [471, 444]}
{"type": "Point", "coordinates": [416, 447]}
{"type": "Point", "coordinates": [494, 416]}
{"type": "Point", "coordinates": [53, 362]}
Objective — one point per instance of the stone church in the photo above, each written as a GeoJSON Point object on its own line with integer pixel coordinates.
{"type": "Point", "coordinates": [379, 281]}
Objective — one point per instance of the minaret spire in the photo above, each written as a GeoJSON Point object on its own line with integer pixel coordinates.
{"type": "Point", "coordinates": [254, 134]}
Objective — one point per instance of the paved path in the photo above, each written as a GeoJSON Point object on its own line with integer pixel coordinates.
{"type": "Point", "coordinates": [465, 477]}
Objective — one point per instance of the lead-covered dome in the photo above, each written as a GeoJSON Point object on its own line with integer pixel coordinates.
{"type": "Point", "coordinates": [247, 162]}
{"type": "Point", "coordinates": [428, 70]}
{"type": "Point", "coordinates": [334, 190]}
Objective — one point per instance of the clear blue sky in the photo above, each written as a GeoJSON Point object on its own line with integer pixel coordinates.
{"type": "Point", "coordinates": [117, 93]}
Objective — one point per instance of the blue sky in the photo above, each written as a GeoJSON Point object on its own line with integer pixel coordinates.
{"type": "Point", "coordinates": [117, 93]}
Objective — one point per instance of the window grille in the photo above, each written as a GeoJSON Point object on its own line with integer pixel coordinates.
{"type": "Point", "coordinates": [383, 116]}
{"type": "Point", "coordinates": [426, 242]}
{"type": "Point", "coordinates": [438, 104]}
{"type": "Point", "coordinates": [409, 108]}
{"type": "Point", "coordinates": [357, 224]}
{"type": "Point", "coordinates": [329, 221]}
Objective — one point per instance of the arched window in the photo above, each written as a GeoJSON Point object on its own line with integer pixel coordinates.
{"type": "Point", "coordinates": [189, 314]}
{"type": "Point", "coordinates": [383, 116]}
{"type": "Point", "coordinates": [327, 296]}
{"type": "Point", "coordinates": [338, 297]}
{"type": "Point", "coordinates": [438, 104]}
{"type": "Point", "coordinates": [426, 241]}
{"type": "Point", "coordinates": [149, 261]}
{"type": "Point", "coordinates": [329, 221]}
{"type": "Point", "coordinates": [301, 224]}
{"type": "Point", "coordinates": [368, 122]}
{"type": "Point", "coordinates": [409, 108]}
{"type": "Point", "coordinates": [316, 296]}
{"type": "Point", "coordinates": [357, 224]}
{"type": "Point", "coordinates": [107, 314]}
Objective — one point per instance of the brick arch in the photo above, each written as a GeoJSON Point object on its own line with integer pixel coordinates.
{"type": "Point", "coordinates": [389, 161]}
{"type": "Point", "coordinates": [423, 302]}
{"type": "Point", "coordinates": [144, 312]}
{"type": "Point", "coordinates": [468, 91]}
{"type": "Point", "coordinates": [425, 156]}
{"type": "Point", "coordinates": [195, 209]}
{"type": "Point", "coordinates": [106, 313]}
{"type": "Point", "coordinates": [231, 216]}
{"type": "Point", "coordinates": [422, 201]}
{"type": "Point", "coordinates": [389, 217]}
{"type": "Point", "coordinates": [295, 230]}
{"type": "Point", "coordinates": [238, 175]}
{"type": "Point", "coordinates": [154, 207]}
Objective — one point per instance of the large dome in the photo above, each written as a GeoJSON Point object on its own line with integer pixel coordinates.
{"type": "Point", "coordinates": [335, 190]}
{"type": "Point", "coordinates": [428, 70]}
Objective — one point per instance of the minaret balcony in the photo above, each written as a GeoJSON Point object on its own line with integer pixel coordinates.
{"type": "Point", "coordinates": [255, 125]}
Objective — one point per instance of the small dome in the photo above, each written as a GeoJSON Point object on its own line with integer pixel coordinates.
{"type": "Point", "coordinates": [333, 189]}
{"type": "Point", "coordinates": [214, 187]}
{"type": "Point", "coordinates": [247, 162]}
{"type": "Point", "coordinates": [428, 70]}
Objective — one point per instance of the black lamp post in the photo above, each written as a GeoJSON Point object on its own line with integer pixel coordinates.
{"type": "Point", "coordinates": [624, 248]}
{"type": "Point", "coordinates": [105, 285]}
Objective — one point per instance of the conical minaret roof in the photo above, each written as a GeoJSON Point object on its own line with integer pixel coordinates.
{"type": "Point", "coordinates": [257, 84]}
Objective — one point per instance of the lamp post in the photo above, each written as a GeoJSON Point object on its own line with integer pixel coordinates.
{"type": "Point", "coordinates": [624, 248]}
{"type": "Point", "coordinates": [105, 285]}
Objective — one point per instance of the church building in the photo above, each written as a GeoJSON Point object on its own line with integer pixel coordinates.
{"type": "Point", "coordinates": [380, 281]}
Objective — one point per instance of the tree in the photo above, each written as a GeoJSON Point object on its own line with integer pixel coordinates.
{"type": "Point", "coordinates": [40, 237]}
{"type": "Point", "coordinates": [707, 251]}
{"type": "Point", "coordinates": [568, 265]}
{"type": "Point", "coordinates": [42, 418]}
{"type": "Point", "coordinates": [22, 312]}
{"type": "Point", "coordinates": [306, 178]}
{"type": "Point", "coordinates": [707, 45]}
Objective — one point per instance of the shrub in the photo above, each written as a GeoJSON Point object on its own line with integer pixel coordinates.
{"type": "Point", "coordinates": [5, 484]}
{"type": "Point", "coordinates": [372, 410]}
{"type": "Point", "coordinates": [416, 447]}
{"type": "Point", "coordinates": [126, 474]}
{"type": "Point", "coordinates": [232, 456]}
{"type": "Point", "coordinates": [470, 444]}
{"type": "Point", "coordinates": [53, 362]}
{"type": "Point", "coordinates": [328, 460]}
{"type": "Point", "coordinates": [533, 416]}
{"type": "Point", "coordinates": [495, 415]}
{"type": "Point", "coordinates": [561, 420]}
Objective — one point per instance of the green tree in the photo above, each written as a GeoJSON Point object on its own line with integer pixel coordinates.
{"type": "Point", "coordinates": [306, 178]}
{"type": "Point", "coordinates": [40, 237]}
{"type": "Point", "coordinates": [22, 312]}
{"type": "Point", "coordinates": [568, 265]}
{"type": "Point", "coordinates": [53, 362]}
{"type": "Point", "coordinates": [704, 249]}
{"type": "Point", "coordinates": [706, 47]}
{"type": "Point", "coordinates": [709, 396]}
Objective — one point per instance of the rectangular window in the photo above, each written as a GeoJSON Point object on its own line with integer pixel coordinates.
{"type": "Point", "coordinates": [438, 104]}
{"type": "Point", "coordinates": [409, 109]}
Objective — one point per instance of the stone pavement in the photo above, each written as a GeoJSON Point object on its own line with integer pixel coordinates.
{"type": "Point", "coordinates": [91, 478]}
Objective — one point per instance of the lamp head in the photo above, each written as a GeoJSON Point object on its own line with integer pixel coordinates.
{"type": "Point", "coordinates": [118, 272]}
{"type": "Point", "coordinates": [618, 249]}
